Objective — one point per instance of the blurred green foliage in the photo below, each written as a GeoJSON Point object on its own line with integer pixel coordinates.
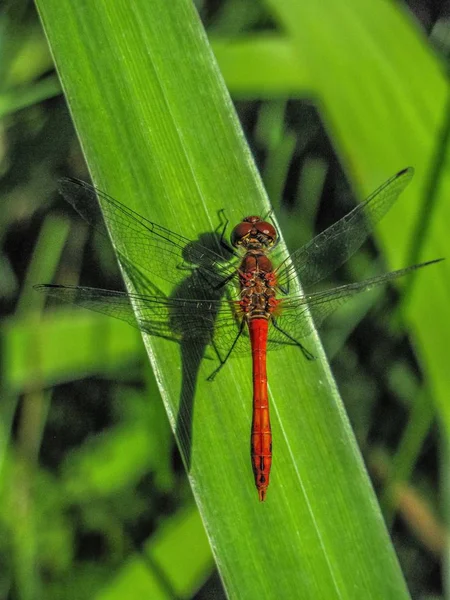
{"type": "Point", "coordinates": [94, 498]}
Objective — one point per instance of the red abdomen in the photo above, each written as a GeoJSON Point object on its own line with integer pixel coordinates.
{"type": "Point", "coordinates": [261, 437]}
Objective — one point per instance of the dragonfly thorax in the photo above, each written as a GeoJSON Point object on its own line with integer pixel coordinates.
{"type": "Point", "coordinates": [257, 296]}
{"type": "Point", "coordinates": [258, 282]}
{"type": "Point", "coordinates": [254, 233]}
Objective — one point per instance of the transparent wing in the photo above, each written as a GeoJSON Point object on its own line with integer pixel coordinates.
{"type": "Point", "coordinates": [210, 322]}
{"type": "Point", "coordinates": [216, 323]}
{"type": "Point", "coordinates": [331, 248]}
{"type": "Point", "coordinates": [154, 248]}
{"type": "Point", "coordinates": [322, 304]}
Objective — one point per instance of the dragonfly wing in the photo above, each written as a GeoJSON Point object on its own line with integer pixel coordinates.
{"type": "Point", "coordinates": [334, 246]}
{"type": "Point", "coordinates": [153, 247]}
{"type": "Point", "coordinates": [211, 322]}
{"type": "Point", "coordinates": [321, 304]}
{"type": "Point", "coordinates": [228, 333]}
{"type": "Point", "coordinates": [111, 303]}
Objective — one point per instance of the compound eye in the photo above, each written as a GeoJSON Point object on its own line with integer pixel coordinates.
{"type": "Point", "coordinates": [267, 229]}
{"type": "Point", "coordinates": [240, 232]}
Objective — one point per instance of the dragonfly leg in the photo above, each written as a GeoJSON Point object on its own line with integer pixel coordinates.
{"type": "Point", "coordinates": [269, 215]}
{"type": "Point", "coordinates": [224, 282]}
{"type": "Point", "coordinates": [306, 353]}
{"type": "Point", "coordinates": [223, 241]}
{"type": "Point", "coordinates": [223, 361]}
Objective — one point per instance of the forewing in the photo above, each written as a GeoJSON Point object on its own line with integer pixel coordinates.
{"type": "Point", "coordinates": [155, 249]}
{"type": "Point", "coordinates": [334, 246]}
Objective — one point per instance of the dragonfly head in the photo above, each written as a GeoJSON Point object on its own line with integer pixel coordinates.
{"type": "Point", "coordinates": [253, 233]}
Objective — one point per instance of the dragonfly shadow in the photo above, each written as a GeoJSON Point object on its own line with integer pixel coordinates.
{"type": "Point", "coordinates": [188, 326]}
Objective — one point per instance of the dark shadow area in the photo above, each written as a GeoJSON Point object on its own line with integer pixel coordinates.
{"type": "Point", "coordinates": [187, 316]}
{"type": "Point", "coordinates": [200, 271]}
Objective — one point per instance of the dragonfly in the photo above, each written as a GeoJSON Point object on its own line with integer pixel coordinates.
{"type": "Point", "coordinates": [235, 300]}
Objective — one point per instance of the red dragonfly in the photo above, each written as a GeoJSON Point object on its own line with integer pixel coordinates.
{"type": "Point", "coordinates": [229, 304]}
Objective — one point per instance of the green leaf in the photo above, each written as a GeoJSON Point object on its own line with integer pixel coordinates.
{"type": "Point", "coordinates": [12, 101]}
{"type": "Point", "coordinates": [159, 133]}
{"type": "Point", "coordinates": [64, 346]}
{"type": "Point", "coordinates": [174, 563]}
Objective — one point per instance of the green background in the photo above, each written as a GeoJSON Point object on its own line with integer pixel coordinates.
{"type": "Point", "coordinates": [333, 97]}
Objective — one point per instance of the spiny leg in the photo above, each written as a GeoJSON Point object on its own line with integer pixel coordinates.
{"type": "Point", "coordinates": [306, 353]}
{"type": "Point", "coordinates": [224, 282]}
{"type": "Point", "coordinates": [223, 242]}
{"type": "Point", "coordinates": [268, 215]}
{"type": "Point", "coordinates": [222, 362]}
